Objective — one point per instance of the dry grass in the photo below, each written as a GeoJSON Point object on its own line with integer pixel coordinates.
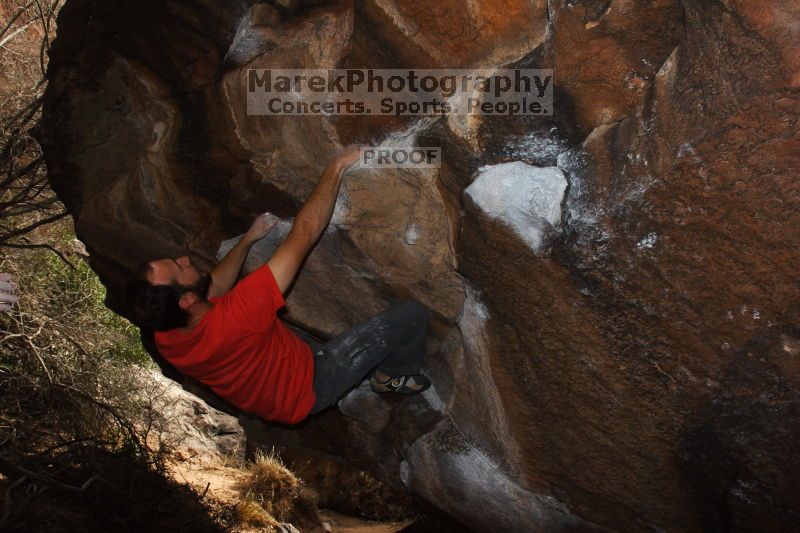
{"type": "Point", "coordinates": [348, 490]}
{"type": "Point", "coordinates": [271, 485]}
{"type": "Point", "coordinates": [252, 515]}
{"type": "Point", "coordinates": [272, 494]}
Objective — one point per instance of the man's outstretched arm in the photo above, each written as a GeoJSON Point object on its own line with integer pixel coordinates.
{"type": "Point", "coordinates": [225, 274]}
{"type": "Point", "coordinates": [312, 219]}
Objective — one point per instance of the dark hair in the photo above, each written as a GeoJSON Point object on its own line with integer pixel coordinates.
{"type": "Point", "coordinates": [155, 306]}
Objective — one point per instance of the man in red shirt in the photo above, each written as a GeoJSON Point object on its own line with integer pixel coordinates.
{"type": "Point", "coordinates": [228, 336]}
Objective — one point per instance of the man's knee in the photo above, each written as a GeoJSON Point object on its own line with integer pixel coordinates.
{"type": "Point", "coordinates": [412, 312]}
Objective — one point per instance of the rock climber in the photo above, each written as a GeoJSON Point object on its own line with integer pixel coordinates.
{"type": "Point", "coordinates": [227, 335]}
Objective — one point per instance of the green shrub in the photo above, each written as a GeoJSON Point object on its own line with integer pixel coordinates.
{"type": "Point", "coordinates": [74, 296]}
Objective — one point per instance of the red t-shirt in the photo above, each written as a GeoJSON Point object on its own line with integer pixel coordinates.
{"type": "Point", "coordinates": [245, 353]}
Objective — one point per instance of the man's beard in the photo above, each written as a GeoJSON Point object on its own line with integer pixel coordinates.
{"type": "Point", "coordinates": [201, 287]}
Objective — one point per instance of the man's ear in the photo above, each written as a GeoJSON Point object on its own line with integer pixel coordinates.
{"type": "Point", "coordinates": [188, 299]}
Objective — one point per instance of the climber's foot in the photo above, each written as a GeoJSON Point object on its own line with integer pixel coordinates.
{"type": "Point", "coordinates": [407, 385]}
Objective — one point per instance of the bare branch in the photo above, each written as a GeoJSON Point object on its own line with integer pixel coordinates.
{"type": "Point", "coordinates": [29, 207]}
{"type": "Point", "coordinates": [33, 105]}
{"type": "Point", "coordinates": [14, 18]}
{"type": "Point", "coordinates": [16, 32]}
{"type": "Point", "coordinates": [9, 470]}
{"type": "Point", "coordinates": [46, 40]}
{"type": "Point", "coordinates": [46, 246]}
{"type": "Point", "coordinates": [13, 176]}
{"type": "Point", "coordinates": [30, 227]}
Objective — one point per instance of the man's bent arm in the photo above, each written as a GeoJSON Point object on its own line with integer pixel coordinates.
{"type": "Point", "coordinates": [312, 220]}
{"type": "Point", "coordinates": [226, 272]}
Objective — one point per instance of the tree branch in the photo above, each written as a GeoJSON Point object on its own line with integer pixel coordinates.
{"type": "Point", "coordinates": [31, 227]}
{"type": "Point", "coordinates": [46, 246]}
{"type": "Point", "coordinates": [14, 18]}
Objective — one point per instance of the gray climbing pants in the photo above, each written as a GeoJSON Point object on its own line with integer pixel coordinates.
{"type": "Point", "coordinates": [392, 341]}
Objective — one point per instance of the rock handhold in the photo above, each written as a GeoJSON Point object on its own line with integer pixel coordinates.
{"type": "Point", "coordinates": [526, 198]}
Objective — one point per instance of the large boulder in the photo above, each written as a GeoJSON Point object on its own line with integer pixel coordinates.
{"type": "Point", "coordinates": [614, 327]}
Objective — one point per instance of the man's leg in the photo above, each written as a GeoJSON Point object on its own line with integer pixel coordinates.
{"type": "Point", "coordinates": [394, 339]}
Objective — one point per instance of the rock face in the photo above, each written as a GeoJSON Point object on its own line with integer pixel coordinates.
{"type": "Point", "coordinates": [625, 359]}
{"type": "Point", "coordinates": [196, 431]}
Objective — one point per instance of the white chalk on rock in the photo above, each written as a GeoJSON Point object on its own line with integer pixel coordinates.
{"type": "Point", "coordinates": [526, 198]}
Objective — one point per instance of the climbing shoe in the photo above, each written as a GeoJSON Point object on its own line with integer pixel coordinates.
{"type": "Point", "coordinates": [407, 385]}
